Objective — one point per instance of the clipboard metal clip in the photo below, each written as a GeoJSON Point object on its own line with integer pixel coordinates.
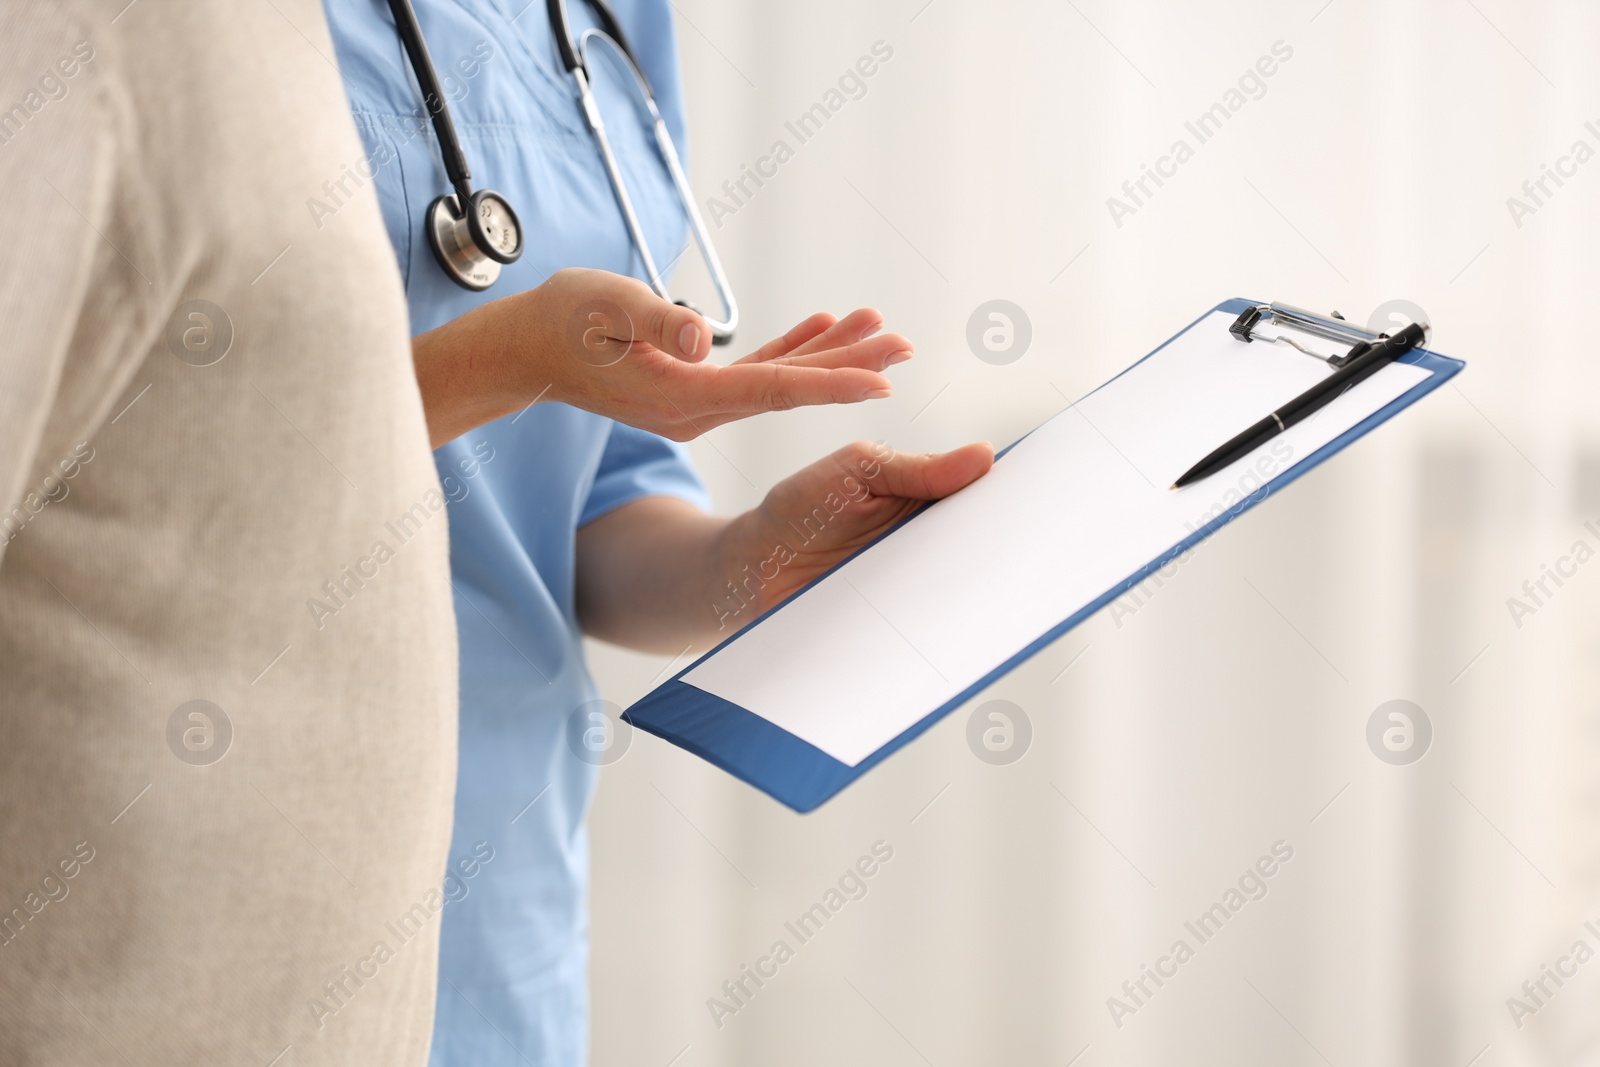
{"type": "Point", "coordinates": [1329, 328]}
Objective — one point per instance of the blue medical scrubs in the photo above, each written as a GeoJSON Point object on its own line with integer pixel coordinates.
{"type": "Point", "coordinates": [514, 952]}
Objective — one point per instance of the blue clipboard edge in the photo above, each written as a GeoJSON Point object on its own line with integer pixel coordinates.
{"type": "Point", "coordinates": [802, 776]}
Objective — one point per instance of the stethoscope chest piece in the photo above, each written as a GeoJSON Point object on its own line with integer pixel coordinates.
{"type": "Point", "coordinates": [471, 246]}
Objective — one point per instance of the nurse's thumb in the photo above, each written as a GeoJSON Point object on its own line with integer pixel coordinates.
{"type": "Point", "coordinates": [674, 329]}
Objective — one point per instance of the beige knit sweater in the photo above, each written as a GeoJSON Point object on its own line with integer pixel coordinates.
{"type": "Point", "coordinates": [208, 417]}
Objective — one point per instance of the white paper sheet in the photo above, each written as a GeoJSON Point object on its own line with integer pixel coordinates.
{"type": "Point", "coordinates": [1068, 514]}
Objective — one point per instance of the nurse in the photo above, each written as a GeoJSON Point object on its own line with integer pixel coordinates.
{"type": "Point", "coordinates": [563, 521]}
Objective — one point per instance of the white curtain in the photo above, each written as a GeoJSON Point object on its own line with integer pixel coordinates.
{"type": "Point", "coordinates": [1176, 739]}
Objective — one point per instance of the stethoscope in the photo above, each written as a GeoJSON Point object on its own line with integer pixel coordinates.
{"type": "Point", "coordinates": [472, 245]}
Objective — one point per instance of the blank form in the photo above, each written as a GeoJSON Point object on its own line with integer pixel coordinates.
{"type": "Point", "coordinates": [1067, 515]}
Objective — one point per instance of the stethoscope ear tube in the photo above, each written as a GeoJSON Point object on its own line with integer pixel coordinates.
{"type": "Point", "coordinates": [721, 330]}
{"type": "Point", "coordinates": [562, 32]}
{"type": "Point", "coordinates": [572, 58]}
{"type": "Point", "coordinates": [474, 233]}
{"type": "Point", "coordinates": [455, 160]}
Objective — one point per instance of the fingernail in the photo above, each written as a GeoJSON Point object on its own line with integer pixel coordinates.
{"type": "Point", "coordinates": [877, 392]}
{"type": "Point", "coordinates": [689, 339]}
{"type": "Point", "coordinates": [897, 357]}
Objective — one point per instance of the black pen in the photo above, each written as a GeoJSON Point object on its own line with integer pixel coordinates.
{"type": "Point", "coordinates": [1365, 359]}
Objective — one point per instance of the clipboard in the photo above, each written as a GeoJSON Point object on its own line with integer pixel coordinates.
{"type": "Point", "coordinates": [850, 669]}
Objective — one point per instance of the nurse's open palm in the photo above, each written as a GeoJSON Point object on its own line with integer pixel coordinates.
{"type": "Point", "coordinates": [609, 344]}
{"type": "Point", "coordinates": [819, 516]}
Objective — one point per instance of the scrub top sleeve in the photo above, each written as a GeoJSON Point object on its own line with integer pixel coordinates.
{"type": "Point", "coordinates": [637, 464]}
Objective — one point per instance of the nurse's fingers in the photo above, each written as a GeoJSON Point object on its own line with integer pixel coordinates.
{"type": "Point", "coordinates": [601, 312]}
{"type": "Point", "coordinates": [875, 353]}
{"type": "Point", "coordinates": [806, 330]}
{"type": "Point", "coordinates": [929, 475]}
{"type": "Point", "coordinates": [856, 326]}
{"type": "Point", "coordinates": [672, 328]}
{"type": "Point", "coordinates": [741, 390]}
{"type": "Point", "coordinates": [819, 333]}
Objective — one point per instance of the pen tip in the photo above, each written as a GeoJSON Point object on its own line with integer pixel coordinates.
{"type": "Point", "coordinates": [1174, 485]}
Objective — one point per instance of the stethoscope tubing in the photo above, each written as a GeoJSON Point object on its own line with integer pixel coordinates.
{"type": "Point", "coordinates": [721, 329]}
{"type": "Point", "coordinates": [444, 128]}
{"type": "Point", "coordinates": [575, 58]}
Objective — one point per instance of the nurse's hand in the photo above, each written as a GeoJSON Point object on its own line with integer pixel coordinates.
{"type": "Point", "coordinates": [658, 572]}
{"type": "Point", "coordinates": [608, 344]}
{"type": "Point", "coordinates": [819, 516]}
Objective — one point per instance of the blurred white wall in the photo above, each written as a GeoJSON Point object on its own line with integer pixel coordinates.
{"type": "Point", "coordinates": [1229, 712]}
